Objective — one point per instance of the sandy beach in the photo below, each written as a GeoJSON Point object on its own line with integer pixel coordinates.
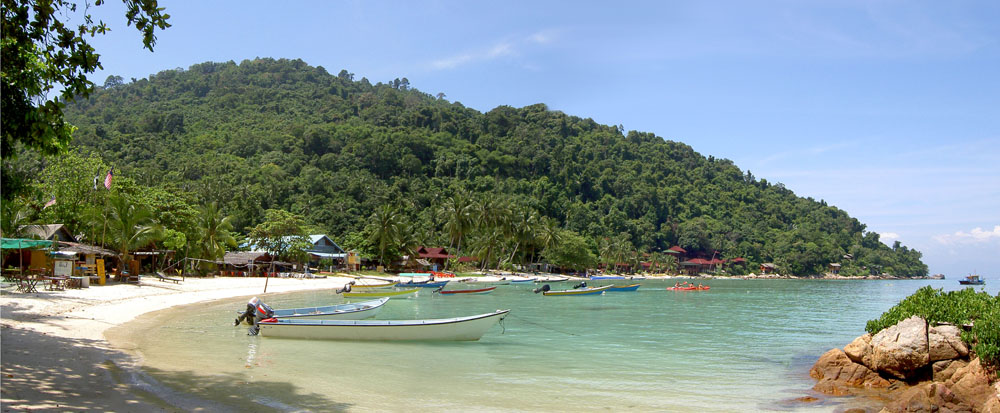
{"type": "Point", "coordinates": [54, 353]}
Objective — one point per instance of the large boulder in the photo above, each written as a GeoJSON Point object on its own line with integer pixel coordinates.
{"type": "Point", "coordinates": [900, 350]}
{"type": "Point", "coordinates": [945, 343]}
{"type": "Point", "coordinates": [837, 373]}
{"type": "Point", "coordinates": [971, 384]}
{"type": "Point", "coordinates": [860, 350]}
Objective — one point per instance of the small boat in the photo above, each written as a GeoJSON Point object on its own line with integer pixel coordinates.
{"type": "Point", "coordinates": [623, 288]}
{"type": "Point", "coordinates": [380, 285]}
{"type": "Point", "coordinates": [521, 280]}
{"type": "Point", "coordinates": [607, 277]}
{"type": "Point", "coordinates": [353, 311]}
{"type": "Point", "coordinates": [469, 328]}
{"type": "Point", "coordinates": [972, 280]}
{"type": "Point", "coordinates": [423, 284]}
{"type": "Point", "coordinates": [377, 293]}
{"type": "Point", "coordinates": [486, 290]}
{"type": "Point", "coordinates": [579, 291]}
{"type": "Point", "coordinates": [692, 288]}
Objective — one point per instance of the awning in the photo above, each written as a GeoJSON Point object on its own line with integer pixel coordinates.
{"type": "Point", "coordinates": [327, 255]}
{"type": "Point", "coordinates": [20, 243]}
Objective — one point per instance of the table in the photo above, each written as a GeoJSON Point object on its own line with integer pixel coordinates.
{"type": "Point", "coordinates": [57, 282]}
{"type": "Point", "coordinates": [27, 283]}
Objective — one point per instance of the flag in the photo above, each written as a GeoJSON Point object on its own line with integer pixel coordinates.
{"type": "Point", "coordinates": [50, 203]}
{"type": "Point", "coordinates": [107, 179]}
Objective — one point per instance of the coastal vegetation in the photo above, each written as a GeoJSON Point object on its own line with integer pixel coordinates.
{"type": "Point", "coordinates": [384, 168]}
{"type": "Point", "coordinates": [962, 307]}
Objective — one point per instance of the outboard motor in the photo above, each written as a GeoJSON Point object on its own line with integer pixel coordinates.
{"type": "Point", "coordinates": [256, 311]}
{"type": "Point", "coordinates": [346, 288]}
{"type": "Point", "coordinates": [582, 284]}
{"type": "Point", "coordinates": [542, 289]}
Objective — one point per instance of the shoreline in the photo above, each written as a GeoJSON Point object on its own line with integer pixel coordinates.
{"type": "Point", "coordinates": [55, 354]}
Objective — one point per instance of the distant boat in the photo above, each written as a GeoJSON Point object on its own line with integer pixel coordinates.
{"type": "Point", "coordinates": [972, 280]}
{"type": "Point", "coordinates": [381, 285]}
{"type": "Point", "coordinates": [469, 328]}
{"type": "Point", "coordinates": [607, 277]}
{"type": "Point", "coordinates": [692, 288]}
{"type": "Point", "coordinates": [623, 288]}
{"type": "Point", "coordinates": [383, 293]}
{"type": "Point", "coordinates": [423, 284]}
{"type": "Point", "coordinates": [579, 291]}
{"type": "Point", "coordinates": [353, 311]}
{"type": "Point", "coordinates": [486, 290]}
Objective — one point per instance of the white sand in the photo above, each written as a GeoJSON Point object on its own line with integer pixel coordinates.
{"type": "Point", "coordinates": [54, 354]}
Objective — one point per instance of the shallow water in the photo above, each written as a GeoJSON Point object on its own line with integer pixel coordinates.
{"type": "Point", "coordinates": [743, 345]}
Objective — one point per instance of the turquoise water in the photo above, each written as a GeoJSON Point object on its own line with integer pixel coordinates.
{"type": "Point", "coordinates": [743, 345]}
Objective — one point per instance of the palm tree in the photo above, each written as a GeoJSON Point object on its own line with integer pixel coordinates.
{"type": "Point", "coordinates": [216, 232]}
{"type": "Point", "coordinates": [15, 216]}
{"type": "Point", "coordinates": [130, 226]}
{"type": "Point", "coordinates": [384, 227]}
{"type": "Point", "coordinates": [456, 212]}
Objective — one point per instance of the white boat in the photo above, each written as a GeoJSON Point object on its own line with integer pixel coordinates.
{"type": "Point", "coordinates": [469, 328]}
{"type": "Point", "coordinates": [352, 311]}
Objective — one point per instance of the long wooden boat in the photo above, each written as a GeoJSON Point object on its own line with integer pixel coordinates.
{"type": "Point", "coordinates": [380, 285]}
{"type": "Point", "coordinates": [486, 290]}
{"type": "Point", "coordinates": [623, 288]}
{"type": "Point", "coordinates": [704, 287]}
{"type": "Point", "coordinates": [579, 291]}
{"type": "Point", "coordinates": [380, 293]}
{"type": "Point", "coordinates": [972, 280]}
{"type": "Point", "coordinates": [350, 311]}
{"type": "Point", "coordinates": [607, 277]}
{"type": "Point", "coordinates": [424, 284]}
{"type": "Point", "coordinates": [469, 328]}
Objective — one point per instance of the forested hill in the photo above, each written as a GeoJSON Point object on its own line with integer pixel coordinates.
{"type": "Point", "coordinates": [280, 134]}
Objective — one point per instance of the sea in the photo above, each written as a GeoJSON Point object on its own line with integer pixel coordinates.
{"type": "Point", "coordinates": [743, 345]}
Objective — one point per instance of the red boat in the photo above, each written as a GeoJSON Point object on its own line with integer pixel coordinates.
{"type": "Point", "coordinates": [486, 290]}
{"type": "Point", "coordinates": [704, 287]}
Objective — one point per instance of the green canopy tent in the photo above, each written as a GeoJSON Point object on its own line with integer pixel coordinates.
{"type": "Point", "coordinates": [22, 244]}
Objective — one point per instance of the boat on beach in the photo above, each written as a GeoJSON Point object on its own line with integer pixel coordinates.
{"type": "Point", "coordinates": [423, 284]}
{"type": "Point", "coordinates": [972, 280]}
{"type": "Point", "coordinates": [470, 328]}
{"type": "Point", "coordinates": [349, 311]}
{"type": "Point", "coordinates": [623, 288]}
{"type": "Point", "coordinates": [486, 290]}
{"type": "Point", "coordinates": [380, 293]}
{"type": "Point", "coordinates": [578, 291]}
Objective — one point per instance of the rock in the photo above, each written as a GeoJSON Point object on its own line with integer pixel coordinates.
{"type": "Point", "coordinates": [945, 343]}
{"type": "Point", "coordinates": [944, 369]}
{"type": "Point", "coordinates": [860, 350]}
{"type": "Point", "coordinates": [971, 384]}
{"type": "Point", "coordinates": [837, 373]}
{"type": "Point", "coordinates": [927, 397]}
{"type": "Point", "coordinates": [901, 349]}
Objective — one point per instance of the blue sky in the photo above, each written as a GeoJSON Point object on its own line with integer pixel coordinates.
{"type": "Point", "coordinates": [889, 110]}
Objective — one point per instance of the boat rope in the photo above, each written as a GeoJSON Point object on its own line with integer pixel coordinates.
{"type": "Point", "coordinates": [524, 320]}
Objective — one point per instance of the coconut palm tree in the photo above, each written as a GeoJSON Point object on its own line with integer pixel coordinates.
{"type": "Point", "coordinates": [384, 227]}
{"type": "Point", "coordinates": [130, 226]}
{"type": "Point", "coordinates": [216, 232]}
{"type": "Point", "coordinates": [15, 215]}
{"type": "Point", "coordinates": [456, 212]}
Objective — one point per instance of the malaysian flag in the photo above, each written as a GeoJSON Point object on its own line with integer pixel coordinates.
{"type": "Point", "coordinates": [50, 203]}
{"type": "Point", "coordinates": [107, 179]}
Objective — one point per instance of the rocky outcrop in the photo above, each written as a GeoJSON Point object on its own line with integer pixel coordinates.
{"type": "Point", "coordinates": [836, 373]}
{"type": "Point", "coordinates": [934, 360]}
{"type": "Point", "coordinates": [901, 349]}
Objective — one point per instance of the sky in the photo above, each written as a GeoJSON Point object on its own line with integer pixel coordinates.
{"type": "Point", "coordinates": [889, 110]}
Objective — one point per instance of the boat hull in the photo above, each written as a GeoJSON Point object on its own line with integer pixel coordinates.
{"type": "Point", "coordinates": [352, 311]}
{"type": "Point", "coordinates": [470, 328]}
{"type": "Point", "coordinates": [624, 288]}
{"type": "Point", "coordinates": [434, 284]}
{"type": "Point", "coordinates": [688, 288]}
{"type": "Point", "coordinates": [385, 293]}
{"type": "Point", "coordinates": [382, 285]}
{"type": "Point", "coordinates": [964, 282]}
{"type": "Point", "coordinates": [581, 291]}
{"type": "Point", "coordinates": [476, 291]}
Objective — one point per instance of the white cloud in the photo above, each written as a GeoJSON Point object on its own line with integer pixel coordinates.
{"type": "Point", "coordinates": [501, 49]}
{"type": "Point", "coordinates": [886, 236]}
{"type": "Point", "coordinates": [976, 236]}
